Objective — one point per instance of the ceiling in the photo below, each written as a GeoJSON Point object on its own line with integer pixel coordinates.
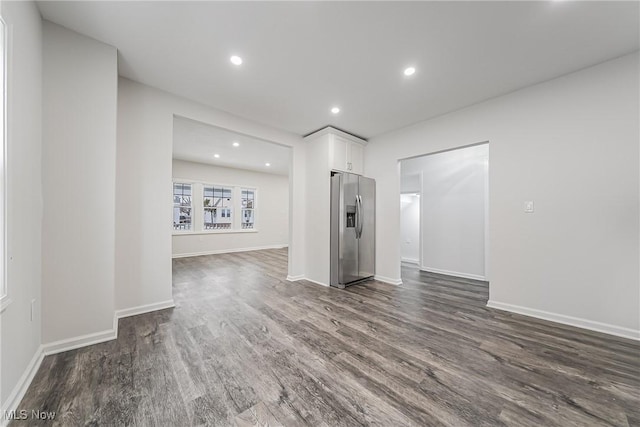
{"type": "Point", "coordinates": [302, 58]}
{"type": "Point", "coordinates": [198, 142]}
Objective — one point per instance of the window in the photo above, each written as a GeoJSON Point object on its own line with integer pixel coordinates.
{"type": "Point", "coordinates": [182, 207]}
{"type": "Point", "coordinates": [217, 203]}
{"type": "Point", "coordinates": [4, 298]}
{"type": "Point", "coordinates": [213, 208]}
{"type": "Point", "coordinates": [248, 207]}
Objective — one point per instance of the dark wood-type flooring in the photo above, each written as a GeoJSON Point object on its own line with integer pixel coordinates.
{"type": "Point", "coordinates": [245, 347]}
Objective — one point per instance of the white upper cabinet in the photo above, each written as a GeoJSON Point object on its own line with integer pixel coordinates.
{"type": "Point", "coordinates": [337, 150]}
{"type": "Point", "coordinates": [356, 158]}
{"type": "Point", "coordinates": [346, 155]}
{"type": "Point", "coordinates": [338, 153]}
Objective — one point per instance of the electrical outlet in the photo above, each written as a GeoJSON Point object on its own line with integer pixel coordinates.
{"type": "Point", "coordinates": [528, 206]}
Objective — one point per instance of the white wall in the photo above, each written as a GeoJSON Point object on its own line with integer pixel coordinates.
{"type": "Point", "coordinates": [272, 210]}
{"type": "Point", "coordinates": [144, 179]}
{"type": "Point", "coordinates": [410, 228]}
{"type": "Point", "coordinates": [454, 196]}
{"type": "Point", "coordinates": [79, 152]}
{"type": "Point", "coordinates": [410, 182]}
{"type": "Point", "coordinates": [571, 146]}
{"type": "Point", "coordinates": [318, 199]}
{"type": "Point", "coordinates": [19, 335]}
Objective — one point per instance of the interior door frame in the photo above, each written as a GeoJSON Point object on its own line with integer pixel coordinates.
{"type": "Point", "coordinates": [486, 203]}
{"type": "Point", "coordinates": [420, 208]}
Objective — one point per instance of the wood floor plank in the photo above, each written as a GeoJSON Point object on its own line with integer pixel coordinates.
{"type": "Point", "coordinates": [245, 347]}
{"type": "Point", "coordinates": [258, 415]}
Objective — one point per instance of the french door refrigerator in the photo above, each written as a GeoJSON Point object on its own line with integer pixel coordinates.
{"type": "Point", "coordinates": [353, 201]}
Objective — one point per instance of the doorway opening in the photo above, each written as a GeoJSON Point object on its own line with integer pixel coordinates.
{"type": "Point", "coordinates": [410, 226]}
{"type": "Point", "coordinates": [444, 206]}
{"type": "Point", "coordinates": [231, 194]}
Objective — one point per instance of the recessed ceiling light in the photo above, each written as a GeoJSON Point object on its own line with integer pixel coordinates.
{"type": "Point", "coordinates": [236, 144]}
{"type": "Point", "coordinates": [335, 110]}
{"type": "Point", "coordinates": [235, 60]}
{"type": "Point", "coordinates": [267, 164]}
{"type": "Point", "coordinates": [409, 71]}
{"type": "Point", "coordinates": [217, 156]}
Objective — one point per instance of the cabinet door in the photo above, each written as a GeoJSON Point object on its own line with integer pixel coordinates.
{"type": "Point", "coordinates": [339, 154]}
{"type": "Point", "coordinates": [356, 158]}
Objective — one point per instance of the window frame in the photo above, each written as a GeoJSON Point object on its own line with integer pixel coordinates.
{"type": "Point", "coordinates": [5, 299]}
{"type": "Point", "coordinates": [253, 209]}
{"type": "Point", "coordinates": [197, 191]}
{"type": "Point", "coordinates": [222, 209]}
{"type": "Point", "coordinates": [185, 231]}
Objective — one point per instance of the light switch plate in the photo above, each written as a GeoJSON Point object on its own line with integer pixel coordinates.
{"type": "Point", "coordinates": [528, 206]}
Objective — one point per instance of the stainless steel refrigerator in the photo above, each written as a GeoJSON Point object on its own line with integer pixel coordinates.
{"type": "Point", "coordinates": [353, 220]}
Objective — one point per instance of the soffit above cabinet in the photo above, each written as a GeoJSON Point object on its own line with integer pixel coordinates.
{"type": "Point", "coordinates": [330, 130]}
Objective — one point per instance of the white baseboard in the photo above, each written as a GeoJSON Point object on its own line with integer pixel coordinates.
{"type": "Point", "coordinates": [316, 282]}
{"type": "Point", "coordinates": [24, 382]}
{"type": "Point", "coordinates": [378, 278]}
{"type": "Point", "coordinates": [142, 309]}
{"type": "Point", "coordinates": [388, 280]}
{"type": "Point", "coordinates": [107, 335]}
{"type": "Point", "coordinates": [60, 346]}
{"type": "Point", "coordinates": [410, 260]}
{"type": "Point", "coordinates": [302, 277]}
{"type": "Point", "coordinates": [568, 320]}
{"type": "Point", "coordinates": [453, 273]}
{"type": "Point", "coordinates": [81, 341]}
{"type": "Point", "coordinates": [228, 251]}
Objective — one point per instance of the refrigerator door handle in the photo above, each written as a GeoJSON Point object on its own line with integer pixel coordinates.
{"type": "Point", "coordinates": [359, 223]}
{"type": "Point", "coordinates": [357, 228]}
